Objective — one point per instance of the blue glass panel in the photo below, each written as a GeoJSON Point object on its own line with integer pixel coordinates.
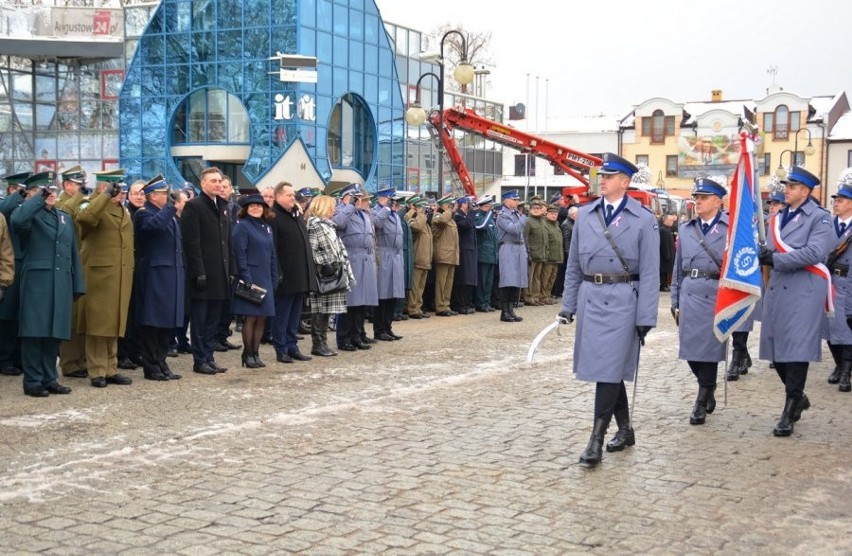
{"type": "Point", "coordinates": [130, 127]}
{"type": "Point", "coordinates": [155, 26]}
{"type": "Point", "coordinates": [324, 15]}
{"type": "Point", "coordinates": [371, 29]}
{"type": "Point", "coordinates": [324, 80]}
{"type": "Point", "coordinates": [371, 59]}
{"type": "Point", "coordinates": [152, 167]}
{"type": "Point", "coordinates": [153, 80]}
{"type": "Point", "coordinates": [231, 76]}
{"type": "Point", "coordinates": [340, 79]}
{"type": "Point", "coordinates": [131, 87]}
{"type": "Point", "coordinates": [385, 90]}
{"type": "Point", "coordinates": [256, 76]}
{"type": "Point", "coordinates": [308, 42]}
{"type": "Point", "coordinates": [256, 13]}
{"type": "Point", "coordinates": [356, 56]}
{"type": "Point", "coordinates": [177, 16]}
{"type": "Point", "coordinates": [340, 23]}
{"type": "Point", "coordinates": [203, 74]}
{"type": "Point", "coordinates": [371, 88]}
{"type": "Point", "coordinates": [229, 14]}
{"type": "Point", "coordinates": [230, 44]}
{"type": "Point", "coordinates": [324, 48]}
{"type": "Point", "coordinates": [177, 79]}
{"type": "Point", "coordinates": [203, 45]}
{"type": "Point", "coordinates": [308, 13]}
{"type": "Point", "coordinates": [284, 40]}
{"type": "Point", "coordinates": [259, 107]}
{"type": "Point", "coordinates": [369, 6]}
{"type": "Point", "coordinates": [177, 48]}
{"type": "Point", "coordinates": [356, 24]}
{"type": "Point", "coordinates": [155, 49]}
{"type": "Point", "coordinates": [203, 15]}
{"type": "Point", "coordinates": [356, 81]}
{"type": "Point", "coordinates": [283, 12]}
{"type": "Point", "coordinates": [341, 51]}
{"type": "Point", "coordinates": [386, 62]}
{"type": "Point", "coordinates": [256, 44]}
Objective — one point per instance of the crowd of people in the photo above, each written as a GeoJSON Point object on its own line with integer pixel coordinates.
{"type": "Point", "coordinates": [120, 277]}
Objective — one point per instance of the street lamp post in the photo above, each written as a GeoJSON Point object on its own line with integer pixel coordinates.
{"type": "Point", "coordinates": [416, 115]}
{"type": "Point", "coordinates": [780, 171]}
{"type": "Point", "coordinates": [809, 150]}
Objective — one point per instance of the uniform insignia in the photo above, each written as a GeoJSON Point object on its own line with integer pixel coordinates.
{"type": "Point", "coordinates": [62, 218]}
{"type": "Point", "coordinates": [656, 227]}
{"type": "Point", "coordinates": [84, 205]}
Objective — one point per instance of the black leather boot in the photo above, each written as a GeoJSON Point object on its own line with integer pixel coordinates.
{"type": "Point", "coordinates": [593, 452]}
{"type": "Point", "coordinates": [257, 360]}
{"type": "Point", "coordinates": [699, 410]}
{"type": "Point", "coordinates": [834, 377]}
{"type": "Point", "coordinates": [746, 363]}
{"type": "Point", "coordinates": [737, 364]}
{"type": "Point", "coordinates": [710, 406]}
{"type": "Point", "coordinates": [506, 313]}
{"type": "Point", "coordinates": [785, 424]}
{"type": "Point", "coordinates": [844, 384]}
{"type": "Point", "coordinates": [804, 403]}
{"type": "Point", "coordinates": [624, 436]}
{"type": "Point", "coordinates": [512, 312]}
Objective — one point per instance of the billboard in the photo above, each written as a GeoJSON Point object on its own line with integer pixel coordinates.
{"type": "Point", "coordinates": [710, 154]}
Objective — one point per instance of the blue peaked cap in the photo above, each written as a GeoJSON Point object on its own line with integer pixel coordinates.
{"type": "Point", "coordinates": [798, 174]}
{"type": "Point", "coordinates": [614, 164]}
{"type": "Point", "coordinates": [706, 186]}
{"type": "Point", "coordinates": [386, 192]}
{"type": "Point", "coordinates": [778, 197]}
{"type": "Point", "coordinates": [845, 192]}
{"type": "Point", "coordinates": [511, 194]}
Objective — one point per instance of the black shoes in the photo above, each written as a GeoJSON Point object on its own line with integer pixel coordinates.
{"type": "Point", "coordinates": [593, 452]}
{"type": "Point", "coordinates": [99, 382]}
{"type": "Point", "coordinates": [184, 348]}
{"type": "Point", "coordinates": [804, 403]}
{"type": "Point", "coordinates": [446, 313]}
{"type": "Point", "coordinates": [11, 371]}
{"type": "Point", "coordinates": [283, 358]}
{"type": "Point", "coordinates": [204, 369]}
{"type": "Point", "coordinates": [385, 337]}
{"type": "Point", "coordinates": [220, 347]}
{"type": "Point", "coordinates": [395, 336]}
{"type": "Point", "coordinates": [155, 376]}
{"type": "Point", "coordinates": [834, 377]}
{"type": "Point", "coordinates": [348, 347]}
{"type": "Point", "coordinates": [127, 364]}
{"type": "Point", "coordinates": [120, 380]}
{"type": "Point", "coordinates": [56, 388]}
{"type": "Point", "coordinates": [705, 403]}
{"type": "Point", "coordinates": [79, 373]}
{"type": "Point", "coordinates": [367, 340]}
{"type": "Point", "coordinates": [173, 352]}
{"type": "Point", "coordinates": [229, 345]}
{"type": "Point", "coordinates": [36, 392]}
{"type": "Point", "coordinates": [323, 351]}
{"type": "Point", "coordinates": [299, 356]}
{"type": "Point", "coordinates": [250, 360]}
{"type": "Point", "coordinates": [843, 382]}
{"type": "Point", "coordinates": [360, 345]}
{"type": "Point", "coordinates": [784, 427]}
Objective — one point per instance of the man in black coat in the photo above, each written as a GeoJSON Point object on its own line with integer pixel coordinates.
{"type": "Point", "coordinates": [206, 229]}
{"type": "Point", "coordinates": [296, 273]}
{"type": "Point", "coordinates": [667, 250]}
{"type": "Point", "coordinates": [464, 281]}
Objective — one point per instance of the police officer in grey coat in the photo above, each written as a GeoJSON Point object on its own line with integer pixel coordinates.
{"type": "Point", "coordinates": [391, 275]}
{"type": "Point", "coordinates": [355, 228]}
{"type": "Point", "coordinates": [695, 283]}
{"type": "Point", "coordinates": [801, 236]}
{"type": "Point", "coordinates": [839, 261]}
{"type": "Point", "coordinates": [512, 255]}
{"type": "Point", "coordinates": [615, 302]}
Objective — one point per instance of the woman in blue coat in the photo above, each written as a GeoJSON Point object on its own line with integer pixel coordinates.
{"type": "Point", "coordinates": [695, 284]}
{"type": "Point", "coordinates": [254, 252]}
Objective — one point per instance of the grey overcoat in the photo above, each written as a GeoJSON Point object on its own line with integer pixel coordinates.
{"type": "Point", "coordinates": [512, 253]}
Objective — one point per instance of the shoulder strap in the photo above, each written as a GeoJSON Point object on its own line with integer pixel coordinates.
{"type": "Point", "coordinates": [608, 235]}
{"type": "Point", "coordinates": [703, 245]}
{"type": "Point", "coordinates": [838, 251]}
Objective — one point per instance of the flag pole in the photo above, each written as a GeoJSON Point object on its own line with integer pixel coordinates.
{"type": "Point", "coordinates": [752, 135]}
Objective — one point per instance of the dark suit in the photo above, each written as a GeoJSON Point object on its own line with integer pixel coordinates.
{"type": "Point", "coordinates": [206, 229]}
{"type": "Point", "coordinates": [159, 283]}
{"type": "Point", "coordinates": [298, 277]}
{"type": "Point", "coordinates": [667, 255]}
{"type": "Point", "coordinates": [465, 278]}
{"type": "Point", "coordinates": [10, 344]}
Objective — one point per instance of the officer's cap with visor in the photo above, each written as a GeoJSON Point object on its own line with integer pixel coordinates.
{"type": "Point", "coordinates": [797, 174]}
{"type": "Point", "coordinates": [74, 174]}
{"type": "Point", "coordinates": [844, 185]}
{"type": "Point", "coordinates": [706, 186]}
{"type": "Point", "coordinates": [614, 164]}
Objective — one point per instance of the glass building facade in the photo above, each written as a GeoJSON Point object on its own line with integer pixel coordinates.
{"type": "Point", "coordinates": [201, 83]}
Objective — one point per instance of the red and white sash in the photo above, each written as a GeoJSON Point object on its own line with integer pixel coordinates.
{"type": "Point", "coordinates": [819, 269]}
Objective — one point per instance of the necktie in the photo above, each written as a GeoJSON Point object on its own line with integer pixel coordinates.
{"type": "Point", "coordinates": [842, 227]}
{"type": "Point", "coordinates": [608, 214]}
{"type": "Point", "coordinates": [705, 227]}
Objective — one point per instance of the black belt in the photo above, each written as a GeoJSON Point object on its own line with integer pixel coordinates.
{"type": "Point", "coordinates": [840, 271]}
{"type": "Point", "coordinates": [698, 273]}
{"type": "Point", "coordinates": [610, 278]}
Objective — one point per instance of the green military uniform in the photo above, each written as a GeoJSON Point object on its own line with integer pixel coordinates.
{"type": "Point", "coordinates": [555, 256]}
{"type": "Point", "coordinates": [535, 235]}
{"type": "Point", "coordinates": [445, 253]}
{"type": "Point", "coordinates": [72, 352]}
{"type": "Point", "coordinates": [51, 277]}
{"type": "Point", "coordinates": [107, 257]}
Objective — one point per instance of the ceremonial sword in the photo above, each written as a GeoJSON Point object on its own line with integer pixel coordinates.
{"type": "Point", "coordinates": [544, 332]}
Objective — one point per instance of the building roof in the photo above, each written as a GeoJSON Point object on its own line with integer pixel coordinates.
{"type": "Point", "coordinates": [698, 109]}
{"type": "Point", "coordinates": [842, 130]}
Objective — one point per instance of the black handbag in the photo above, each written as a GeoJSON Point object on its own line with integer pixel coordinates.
{"type": "Point", "coordinates": [332, 278]}
{"type": "Point", "coordinates": [250, 292]}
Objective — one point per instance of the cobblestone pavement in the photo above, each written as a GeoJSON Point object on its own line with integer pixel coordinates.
{"type": "Point", "coordinates": [444, 442]}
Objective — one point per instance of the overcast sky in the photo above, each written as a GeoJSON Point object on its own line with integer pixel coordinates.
{"type": "Point", "coordinates": [607, 55]}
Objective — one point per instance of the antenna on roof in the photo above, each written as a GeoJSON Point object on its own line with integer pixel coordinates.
{"type": "Point", "coordinates": [773, 71]}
